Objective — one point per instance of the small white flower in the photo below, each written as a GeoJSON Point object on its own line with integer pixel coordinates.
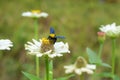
{"type": "Point", "coordinates": [5, 44]}
{"type": "Point", "coordinates": [35, 48]}
{"type": "Point", "coordinates": [35, 14]}
{"type": "Point", "coordinates": [111, 30]}
{"type": "Point", "coordinates": [79, 67]}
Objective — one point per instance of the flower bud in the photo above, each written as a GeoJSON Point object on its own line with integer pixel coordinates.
{"type": "Point", "coordinates": [101, 37]}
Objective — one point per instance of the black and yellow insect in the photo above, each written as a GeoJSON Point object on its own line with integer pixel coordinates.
{"type": "Point", "coordinates": [52, 36]}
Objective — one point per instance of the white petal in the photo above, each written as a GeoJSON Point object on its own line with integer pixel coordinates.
{"type": "Point", "coordinates": [113, 24]}
{"type": "Point", "coordinates": [39, 55]}
{"type": "Point", "coordinates": [28, 14]}
{"type": "Point", "coordinates": [48, 52]}
{"type": "Point", "coordinates": [38, 43]}
{"type": "Point", "coordinates": [69, 69]}
{"type": "Point", "coordinates": [89, 71]}
{"type": "Point", "coordinates": [37, 15]}
{"type": "Point", "coordinates": [78, 71]}
{"type": "Point", "coordinates": [54, 55]}
{"type": "Point", "coordinates": [5, 44]}
{"type": "Point", "coordinates": [89, 66]}
{"type": "Point", "coordinates": [59, 55]}
{"type": "Point", "coordinates": [43, 14]}
{"type": "Point", "coordinates": [60, 47]}
{"type": "Point", "coordinates": [33, 48]}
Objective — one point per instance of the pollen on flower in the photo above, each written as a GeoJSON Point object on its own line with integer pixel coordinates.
{"type": "Point", "coordinates": [35, 11]}
{"type": "Point", "coordinates": [45, 41]}
{"type": "Point", "coordinates": [52, 35]}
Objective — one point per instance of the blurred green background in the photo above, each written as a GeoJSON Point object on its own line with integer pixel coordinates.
{"type": "Point", "coordinates": [77, 20]}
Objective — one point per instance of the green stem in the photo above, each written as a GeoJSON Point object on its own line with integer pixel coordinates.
{"type": "Point", "coordinates": [100, 50]}
{"type": "Point", "coordinates": [82, 77]}
{"type": "Point", "coordinates": [36, 37]}
{"type": "Point", "coordinates": [113, 56]}
{"type": "Point", "coordinates": [47, 67]}
{"type": "Point", "coordinates": [36, 28]}
{"type": "Point", "coordinates": [37, 66]}
{"type": "Point", "coordinates": [51, 70]}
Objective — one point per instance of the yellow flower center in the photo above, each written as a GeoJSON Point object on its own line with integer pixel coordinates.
{"type": "Point", "coordinates": [52, 35]}
{"type": "Point", "coordinates": [35, 11]}
{"type": "Point", "coordinates": [45, 41]}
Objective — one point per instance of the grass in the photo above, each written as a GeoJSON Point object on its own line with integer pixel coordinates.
{"type": "Point", "coordinates": [78, 21]}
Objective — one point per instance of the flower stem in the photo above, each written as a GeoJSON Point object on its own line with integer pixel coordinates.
{"type": "Point", "coordinates": [36, 37]}
{"type": "Point", "coordinates": [36, 28]}
{"type": "Point", "coordinates": [100, 50]}
{"type": "Point", "coordinates": [51, 70]}
{"type": "Point", "coordinates": [113, 56]}
{"type": "Point", "coordinates": [47, 67]}
{"type": "Point", "coordinates": [82, 77]}
{"type": "Point", "coordinates": [37, 66]}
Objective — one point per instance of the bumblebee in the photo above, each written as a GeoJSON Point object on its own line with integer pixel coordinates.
{"type": "Point", "coordinates": [52, 36]}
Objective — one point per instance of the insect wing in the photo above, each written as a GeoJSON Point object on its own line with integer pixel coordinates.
{"type": "Point", "coordinates": [61, 37]}
{"type": "Point", "coordinates": [52, 31]}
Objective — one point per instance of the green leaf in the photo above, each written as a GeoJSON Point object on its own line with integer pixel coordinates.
{"type": "Point", "coordinates": [116, 78]}
{"type": "Point", "coordinates": [93, 58]}
{"type": "Point", "coordinates": [105, 74]}
{"type": "Point", "coordinates": [109, 75]}
{"type": "Point", "coordinates": [30, 76]}
{"type": "Point", "coordinates": [105, 65]}
{"type": "Point", "coordinates": [65, 78]}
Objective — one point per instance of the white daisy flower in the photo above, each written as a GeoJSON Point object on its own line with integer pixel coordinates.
{"type": "Point", "coordinates": [5, 44]}
{"type": "Point", "coordinates": [43, 47]}
{"type": "Point", "coordinates": [79, 67]}
{"type": "Point", "coordinates": [111, 30]}
{"type": "Point", "coordinates": [35, 14]}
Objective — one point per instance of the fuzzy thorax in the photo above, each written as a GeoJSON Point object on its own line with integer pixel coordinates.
{"type": "Point", "coordinates": [52, 35]}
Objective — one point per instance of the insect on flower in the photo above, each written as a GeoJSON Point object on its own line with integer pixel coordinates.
{"type": "Point", "coordinates": [48, 46]}
{"type": "Point", "coordinates": [52, 36]}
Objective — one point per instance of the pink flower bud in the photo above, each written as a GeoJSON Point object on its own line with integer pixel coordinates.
{"type": "Point", "coordinates": [101, 36]}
